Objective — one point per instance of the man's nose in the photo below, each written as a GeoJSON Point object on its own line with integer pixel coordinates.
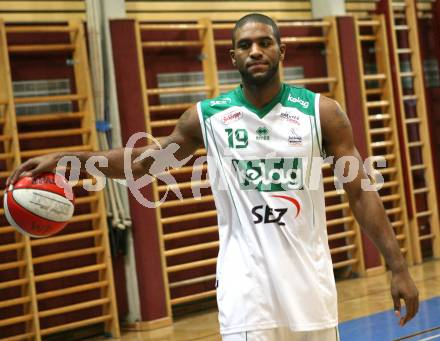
{"type": "Point", "coordinates": [255, 51]}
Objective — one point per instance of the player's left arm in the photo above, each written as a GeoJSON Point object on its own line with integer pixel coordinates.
{"type": "Point", "coordinates": [366, 205]}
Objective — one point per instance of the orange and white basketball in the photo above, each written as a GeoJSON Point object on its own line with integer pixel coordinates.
{"type": "Point", "coordinates": [39, 207]}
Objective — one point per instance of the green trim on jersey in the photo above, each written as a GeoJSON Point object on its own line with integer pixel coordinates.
{"type": "Point", "coordinates": [289, 96]}
{"type": "Point", "coordinates": [261, 112]}
{"type": "Point", "coordinates": [301, 99]}
{"type": "Point", "coordinates": [321, 152]}
{"type": "Point", "coordinates": [212, 106]}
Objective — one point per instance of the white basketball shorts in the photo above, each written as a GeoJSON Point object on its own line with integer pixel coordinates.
{"type": "Point", "coordinates": [284, 334]}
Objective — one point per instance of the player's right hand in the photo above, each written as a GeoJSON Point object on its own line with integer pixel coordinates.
{"type": "Point", "coordinates": [403, 287]}
{"type": "Point", "coordinates": [33, 167]}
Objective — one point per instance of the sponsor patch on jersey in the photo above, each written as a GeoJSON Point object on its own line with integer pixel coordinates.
{"type": "Point", "coordinates": [303, 103]}
{"type": "Point", "coordinates": [222, 101]}
{"type": "Point", "coordinates": [294, 138]}
{"type": "Point", "coordinates": [269, 175]}
{"type": "Point", "coordinates": [232, 117]}
{"type": "Point", "coordinates": [265, 214]}
{"type": "Point", "coordinates": [290, 117]}
{"type": "Point", "coordinates": [263, 134]}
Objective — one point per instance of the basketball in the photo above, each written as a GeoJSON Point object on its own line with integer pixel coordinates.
{"type": "Point", "coordinates": [39, 207]}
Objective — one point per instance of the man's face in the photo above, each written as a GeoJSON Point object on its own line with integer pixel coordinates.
{"type": "Point", "coordinates": [256, 53]}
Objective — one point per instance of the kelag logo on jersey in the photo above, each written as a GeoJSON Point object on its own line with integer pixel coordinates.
{"type": "Point", "coordinates": [269, 175]}
{"type": "Point", "coordinates": [303, 103]}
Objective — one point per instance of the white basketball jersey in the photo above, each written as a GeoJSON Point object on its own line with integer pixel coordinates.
{"type": "Point", "coordinates": [274, 266]}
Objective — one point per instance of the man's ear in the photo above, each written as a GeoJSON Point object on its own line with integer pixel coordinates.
{"type": "Point", "coordinates": [232, 54]}
{"type": "Point", "coordinates": [282, 51]}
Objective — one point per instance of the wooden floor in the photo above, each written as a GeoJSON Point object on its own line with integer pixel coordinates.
{"type": "Point", "coordinates": [357, 298]}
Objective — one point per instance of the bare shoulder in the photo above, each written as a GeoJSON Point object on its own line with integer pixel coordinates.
{"type": "Point", "coordinates": [188, 125]}
{"type": "Point", "coordinates": [331, 112]}
{"type": "Point", "coordinates": [335, 124]}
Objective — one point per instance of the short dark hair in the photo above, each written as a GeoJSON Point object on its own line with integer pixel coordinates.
{"type": "Point", "coordinates": [259, 18]}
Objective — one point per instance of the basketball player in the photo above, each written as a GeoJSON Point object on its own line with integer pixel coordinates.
{"type": "Point", "coordinates": [274, 272]}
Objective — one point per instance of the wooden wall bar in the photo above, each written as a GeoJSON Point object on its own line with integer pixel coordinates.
{"type": "Point", "coordinates": [411, 110]}
{"type": "Point", "coordinates": [218, 10]}
{"type": "Point", "coordinates": [365, 8]}
{"type": "Point", "coordinates": [360, 8]}
{"type": "Point", "coordinates": [354, 104]}
{"type": "Point", "coordinates": [42, 11]}
{"type": "Point", "coordinates": [66, 281]}
{"type": "Point", "coordinates": [380, 124]}
{"type": "Point", "coordinates": [431, 33]}
{"type": "Point", "coordinates": [182, 10]}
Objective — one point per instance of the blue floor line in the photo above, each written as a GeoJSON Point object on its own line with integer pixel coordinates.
{"type": "Point", "coordinates": [384, 326]}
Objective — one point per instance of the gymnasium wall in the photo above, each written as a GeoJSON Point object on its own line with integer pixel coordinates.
{"type": "Point", "coordinates": [46, 65]}
{"type": "Point", "coordinates": [51, 67]}
{"type": "Point", "coordinates": [429, 33]}
{"type": "Point", "coordinates": [215, 10]}
{"type": "Point", "coordinates": [48, 11]}
{"type": "Point", "coordinates": [180, 10]}
{"type": "Point", "coordinates": [42, 11]}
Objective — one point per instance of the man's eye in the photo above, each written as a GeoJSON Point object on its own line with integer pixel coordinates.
{"type": "Point", "coordinates": [265, 43]}
{"type": "Point", "coordinates": [243, 45]}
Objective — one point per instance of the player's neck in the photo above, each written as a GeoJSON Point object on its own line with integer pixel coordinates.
{"type": "Point", "coordinates": [261, 94]}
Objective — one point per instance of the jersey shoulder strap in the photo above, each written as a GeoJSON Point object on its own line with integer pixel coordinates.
{"type": "Point", "coordinates": [301, 99]}
{"type": "Point", "coordinates": [210, 107]}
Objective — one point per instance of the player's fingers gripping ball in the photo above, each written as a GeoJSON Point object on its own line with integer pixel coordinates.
{"type": "Point", "coordinates": [41, 206]}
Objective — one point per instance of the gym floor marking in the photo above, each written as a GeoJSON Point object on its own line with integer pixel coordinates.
{"type": "Point", "coordinates": [432, 337]}
{"type": "Point", "coordinates": [384, 326]}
